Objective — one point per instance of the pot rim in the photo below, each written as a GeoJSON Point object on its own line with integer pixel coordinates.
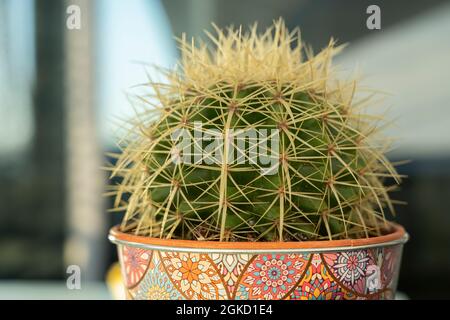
{"type": "Point", "coordinates": [398, 236]}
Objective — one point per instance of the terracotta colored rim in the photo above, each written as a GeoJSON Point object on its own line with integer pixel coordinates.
{"type": "Point", "coordinates": [397, 236]}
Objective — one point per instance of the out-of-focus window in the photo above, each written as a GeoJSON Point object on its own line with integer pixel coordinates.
{"type": "Point", "coordinates": [411, 62]}
{"type": "Point", "coordinates": [104, 59]}
{"type": "Point", "coordinates": [16, 75]}
{"type": "Point", "coordinates": [131, 35]}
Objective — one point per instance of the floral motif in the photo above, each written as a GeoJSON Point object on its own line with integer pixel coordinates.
{"type": "Point", "coordinates": [134, 262]}
{"type": "Point", "coordinates": [317, 284]}
{"type": "Point", "coordinates": [272, 276]}
{"type": "Point", "coordinates": [350, 267]}
{"type": "Point", "coordinates": [230, 267]}
{"type": "Point", "coordinates": [194, 275]}
{"type": "Point", "coordinates": [156, 285]}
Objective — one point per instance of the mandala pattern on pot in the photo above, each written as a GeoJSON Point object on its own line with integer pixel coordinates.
{"type": "Point", "coordinates": [134, 263]}
{"type": "Point", "coordinates": [194, 275]}
{"type": "Point", "coordinates": [317, 284]}
{"type": "Point", "coordinates": [230, 267]}
{"type": "Point", "coordinates": [351, 268]}
{"type": "Point", "coordinates": [156, 284]}
{"type": "Point", "coordinates": [351, 274]}
{"type": "Point", "coordinates": [271, 276]}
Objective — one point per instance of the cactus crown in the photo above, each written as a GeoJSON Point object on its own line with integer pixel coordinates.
{"type": "Point", "coordinates": [323, 171]}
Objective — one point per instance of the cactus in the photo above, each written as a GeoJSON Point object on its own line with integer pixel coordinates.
{"type": "Point", "coordinates": [329, 166]}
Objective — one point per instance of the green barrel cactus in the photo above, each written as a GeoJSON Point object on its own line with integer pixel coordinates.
{"type": "Point", "coordinates": [253, 139]}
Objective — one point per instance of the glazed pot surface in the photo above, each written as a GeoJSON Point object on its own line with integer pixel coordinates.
{"type": "Point", "coordinates": [318, 270]}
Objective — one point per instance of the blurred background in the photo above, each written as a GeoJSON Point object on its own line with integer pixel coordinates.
{"type": "Point", "coordinates": [62, 90]}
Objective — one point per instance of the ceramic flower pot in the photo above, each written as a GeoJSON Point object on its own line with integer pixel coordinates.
{"type": "Point", "coordinates": [183, 269]}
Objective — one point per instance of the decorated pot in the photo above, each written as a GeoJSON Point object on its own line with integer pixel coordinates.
{"type": "Point", "coordinates": [314, 270]}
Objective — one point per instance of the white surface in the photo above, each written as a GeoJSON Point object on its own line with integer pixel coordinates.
{"type": "Point", "coordinates": [54, 290]}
